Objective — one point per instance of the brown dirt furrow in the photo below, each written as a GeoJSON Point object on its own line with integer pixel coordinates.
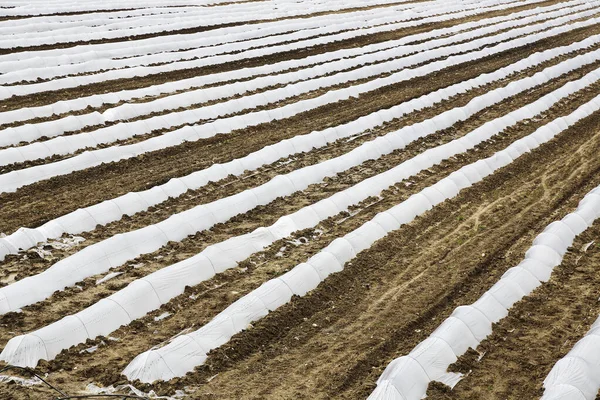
{"type": "Point", "coordinates": [538, 331]}
{"type": "Point", "coordinates": [18, 267]}
{"type": "Point", "coordinates": [29, 206]}
{"type": "Point", "coordinates": [284, 102]}
{"type": "Point", "coordinates": [334, 342]}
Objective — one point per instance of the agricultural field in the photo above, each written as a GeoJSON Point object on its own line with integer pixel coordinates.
{"type": "Point", "coordinates": [300, 199]}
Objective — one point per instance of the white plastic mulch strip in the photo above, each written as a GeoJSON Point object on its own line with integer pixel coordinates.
{"type": "Point", "coordinates": [83, 21]}
{"type": "Point", "coordinates": [69, 82]}
{"type": "Point", "coordinates": [222, 41]}
{"type": "Point", "coordinates": [71, 63]}
{"type": "Point", "coordinates": [98, 100]}
{"type": "Point", "coordinates": [169, 48]}
{"type": "Point", "coordinates": [307, 80]}
{"type": "Point", "coordinates": [182, 47]}
{"type": "Point", "coordinates": [576, 376]}
{"type": "Point", "coordinates": [118, 249]}
{"type": "Point", "coordinates": [277, 9]}
{"type": "Point", "coordinates": [186, 352]}
{"type": "Point", "coordinates": [88, 218]}
{"type": "Point", "coordinates": [200, 17]}
{"type": "Point", "coordinates": [46, 30]}
{"type": "Point", "coordinates": [370, 54]}
{"type": "Point", "coordinates": [11, 181]}
{"type": "Point", "coordinates": [124, 112]}
{"type": "Point", "coordinates": [149, 293]}
{"type": "Point", "coordinates": [18, 8]}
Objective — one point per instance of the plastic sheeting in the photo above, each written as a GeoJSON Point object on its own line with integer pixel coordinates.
{"type": "Point", "coordinates": [203, 16]}
{"type": "Point", "coordinates": [15, 179]}
{"type": "Point", "coordinates": [88, 218]}
{"type": "Point", "coordinates": [300, 29]}
{"type": "Point", "coordinates": [149, 293]}
{"type": "Point", "coordinates": [185, 47]}
{"type": "Point", "coordinates": [146, 46]}
{"type": "Point", "coordinates": [131, 17]}
{"type": "Point", "coordinates": [408, 375]}
{"type": "Point", "coordinates": [33, 8]}
{"type": "Point", "coordinates": [577, 376]}
{"type": "Point", "coordinates": [114, 251]}
{"type": "Point", "coordinates": [222, 40]}
{"type": "Point", "coordinates": [159, 44]}
{"type": "Point", "coordinates": [226, 40]}
{"type": "Point", "coordinates": [68, 82]}
{"type": "Point", "coordinates": [80, 103]}
{"type": "Point", "coordinates": [31, 132]}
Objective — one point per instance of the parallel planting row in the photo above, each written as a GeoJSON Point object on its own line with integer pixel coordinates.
{"type": "Point", "coordinates": [275, 199]}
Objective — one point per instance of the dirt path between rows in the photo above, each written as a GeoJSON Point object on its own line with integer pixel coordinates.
{"type": "Point", "coordinates": [538, 331]}
{"type": "Point", "coordinates": [394, 294]}
{"type": "Point", "coordinates": [20, 266]}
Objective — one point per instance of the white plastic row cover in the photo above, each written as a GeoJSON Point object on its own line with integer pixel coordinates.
{"type": "Point", "coordinates": [68, 82]}
{"type": "Point", "coordinates": [31, 132]}
{"type": "Point", "coordinates": [169, 87]}
{"type": "Point", "coordinates": [11, 181]}
{"type": "Point", "coordinates": [81, 103]}
{"type": "Point", "coordinates": [61, 24]}
{"type": "Point", "coordinates": [107, 19]}
{"type": "Point", "coordinates": [130, 17]}
{"type": "Point", "coordinates": [174, 48]}
{"type": "Point", "coordinates": [115, 251]}
{"type": "Point", "coordinates": [407, 377]}
{"type": "Point", "coordinates": [138, 298]}
{"type": "Point", "coordinates": [159, 44]}
{"type": "Point", "coordinates": [193, 21]}
{"type": "Point", "coordinates": [223, 42]}
{"type": "Point", "coordinates": [17, 8]}
{"type": "Point", "coordinates": [576, 376]}
{"type": "Point", "coordinates": [87, 219]}
{"type": "Point", "coordinates": [183, 354]}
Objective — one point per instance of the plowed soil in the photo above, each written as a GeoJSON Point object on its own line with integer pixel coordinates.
{"type": "Point", "coordinates": [335, 342]}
